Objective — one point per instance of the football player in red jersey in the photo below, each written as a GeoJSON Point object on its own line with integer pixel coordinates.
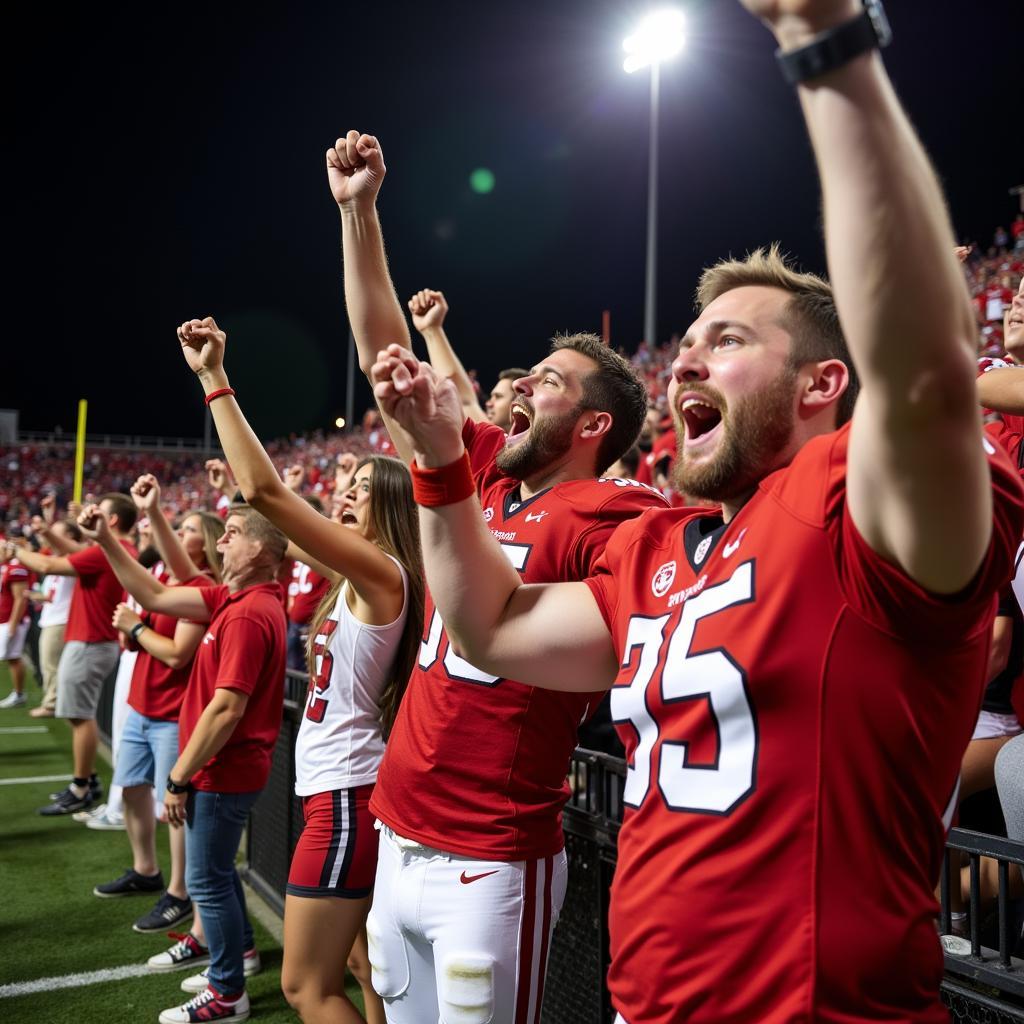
{"type": "Point", "coordinates": [471, 871]}
{"type": "Point", "coordinates": [795, 674]}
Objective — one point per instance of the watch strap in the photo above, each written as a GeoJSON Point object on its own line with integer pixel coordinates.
{"type": "Point", "coordinates": [837, 46]}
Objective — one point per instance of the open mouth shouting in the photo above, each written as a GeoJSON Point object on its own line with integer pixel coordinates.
{"type": "Point", "coordinates": [701, 418]}
{"type": "Point", "coordinates": [522, 417]}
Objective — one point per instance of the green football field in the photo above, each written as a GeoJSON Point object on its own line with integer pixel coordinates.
{"type": "Point", "coordinates": [52, 928]}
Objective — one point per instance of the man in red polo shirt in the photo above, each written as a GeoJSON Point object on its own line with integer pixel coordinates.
{"type": "Point", "coordinates": [229, 721]}
{"type": "Point", "coordinates": [90, 642]}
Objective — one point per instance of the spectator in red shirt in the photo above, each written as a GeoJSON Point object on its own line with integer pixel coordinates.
{"type": "Point", "coordinates": [90, 642]}
{"type": "Point", "coordinates": [228, 725]}
{"type": "Point", "coordinates": [15, 580]}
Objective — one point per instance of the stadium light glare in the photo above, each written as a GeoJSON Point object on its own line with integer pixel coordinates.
{"type": "Point", "coordinates": [340, 422]}
{"type": "Point", "coordinates": [658, 37]}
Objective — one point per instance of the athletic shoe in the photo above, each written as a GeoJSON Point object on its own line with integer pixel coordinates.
{"type": "Point", "coordinates": [103, 821]}
{"type": "Point", "coordinates": [95, 790]}
{"type": "Point", "coordinates": [41, 712]}
{"type": "Point", "coordinates": [250, 965]}
{"type": "Point", "coordinates": [67, 802]}
{"type": "Point", "coordinates": [208, 1005]}
{"type": "Point", "coordinates": [186, 952]}
{"type": "Point", "coordinates": [83, 816]}
{"type": "Point", "coordinates": [13, 700]}
{"type": "Point", "coordinates": [130, 883]}
{"type": "Point", "coordinates": [169, 911]}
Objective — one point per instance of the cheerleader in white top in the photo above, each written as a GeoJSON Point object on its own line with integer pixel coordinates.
{"type": "Point", "coordinates": [362, 644]}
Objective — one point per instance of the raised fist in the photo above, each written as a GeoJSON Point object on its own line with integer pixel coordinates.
{"type": "Point", "coordinates": [218, 475]}
{"type": "Point", "coordinates": [796, 22]}
{"type": "Point", "coordinates": [93, 523]}
{"type": "Point", "coordinates": [355, 169]}
{"type": "Point", "coordinates": [48, 503]}
{"type": "Point", "coordinates": [202, 344]}
{"type": "Point", "coordinates": [427, 406]}
{"type": "Point", "coordinates": [293, 477]}
{"type": "Point", "coordinates": [428, 309]}
{"type": "Point", "coordinates": [146, 493]}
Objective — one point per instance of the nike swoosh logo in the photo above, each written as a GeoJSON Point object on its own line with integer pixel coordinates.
{"type": "Point", "coordinates": [466, 879]}
{"type": "Point", "coordinates": [730, 549]}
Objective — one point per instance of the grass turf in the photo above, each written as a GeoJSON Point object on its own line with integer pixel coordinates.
{"type": "Point", "coordinates": [51, 924]}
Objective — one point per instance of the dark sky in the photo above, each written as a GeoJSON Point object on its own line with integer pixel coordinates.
{"type": "Point", "coordinates": [169, 162]}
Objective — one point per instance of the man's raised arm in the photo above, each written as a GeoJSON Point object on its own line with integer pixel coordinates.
{"type": "Point", "coordinates": [550, 635]}
{"type": "Point", "coordinates": [355, 170]}
{"type": "Point", "coordinates": [905, 311]}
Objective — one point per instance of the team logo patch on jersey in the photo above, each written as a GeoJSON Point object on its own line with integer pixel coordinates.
{"type": "Point", "coordinates": [702, 550]}
{"type": "Point", "coordinates": [488, 514]}
{"type": "Point", "coordinates": [663, 579]}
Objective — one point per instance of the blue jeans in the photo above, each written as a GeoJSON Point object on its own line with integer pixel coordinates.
{"type": "Point", "coordinates": [213, 831]}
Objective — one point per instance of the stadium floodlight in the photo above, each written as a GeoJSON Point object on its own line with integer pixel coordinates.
{"type": "Point", "coordinates": [657, 38]}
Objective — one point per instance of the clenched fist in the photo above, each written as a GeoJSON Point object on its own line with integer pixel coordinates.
{"type": "Point", "coordinates": [202, 344]}
{"type": "Point", "coordinates": [355, 169]}
{"type": "Point", "coordinates": [428, 309]}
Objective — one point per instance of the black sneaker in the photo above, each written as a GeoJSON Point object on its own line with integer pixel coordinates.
{"type": "Point", "coordinates": [168, 912]}
{"type": "Point", "coordinates": [67, 802]}
{"type": "Point", "coordinates": [130, 883]}
{"type": "Point", "coordinates": [95, 790]}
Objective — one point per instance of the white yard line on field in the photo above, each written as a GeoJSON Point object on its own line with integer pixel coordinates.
{"type": "Point", "coordinates": [27, 988]}
{"type": "Point", "coordinates": [34, 778]}
{"type": "Point", "coordinates": [21, 729]}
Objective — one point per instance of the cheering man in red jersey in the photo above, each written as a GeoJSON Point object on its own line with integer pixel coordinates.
{"type": "Point", "coordinates": [795, 673]}
{"type": "Point", "coordinates": [471, 871]}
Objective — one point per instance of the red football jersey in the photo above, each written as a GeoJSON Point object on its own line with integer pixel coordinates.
{"type": "Point", "coordinates": [157, 690]}
{"type": "Point", "coordinates": [794, 710]}
{"type": "Point", "coordinates": [243, 649]}
{"type": "Point", "coordinates": [10, 573]}
{"type": "Point", "coordinates": [305, 592]}
{"type": "Point", "coordinates": [477, 765]}
{"type": "Point", "coordinates": [97, 593]}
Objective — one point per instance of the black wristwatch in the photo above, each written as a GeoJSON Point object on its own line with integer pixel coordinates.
{"type": "Point", "coordinates": [136, 630]}
{"type": "Point", "coordinates": [173, 787]}
{"type": "Point", "coordinates": [837, 46]}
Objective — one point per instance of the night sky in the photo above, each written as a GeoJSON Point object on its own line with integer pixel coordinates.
{"type": "Point", "coordinates": [169, 162]}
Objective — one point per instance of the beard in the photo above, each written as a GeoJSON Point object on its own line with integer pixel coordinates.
{"type": "Point", "coordinates": [754, 432]}
{"type": "Point", "coordinates": [550, 438]}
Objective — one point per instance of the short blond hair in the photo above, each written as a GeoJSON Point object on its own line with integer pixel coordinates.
{"type": "Point", "coordinates": [810, 315]}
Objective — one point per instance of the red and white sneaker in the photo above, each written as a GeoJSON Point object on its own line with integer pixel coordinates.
{"type": "Point", "coordinates": [251, 964]}
{"type": "Point", "coordinates": [209, 1005]}
{"type": "Point", "coordinates": [186, 952]}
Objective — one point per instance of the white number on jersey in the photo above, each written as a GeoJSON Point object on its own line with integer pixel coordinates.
{"type": "Point", "coordinates": [456, 667]}
{"type": "Point", "coordinates": [711, 789]}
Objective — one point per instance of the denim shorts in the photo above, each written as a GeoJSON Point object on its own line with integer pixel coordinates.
{"type": "Point", "coordinates": [147, 751]}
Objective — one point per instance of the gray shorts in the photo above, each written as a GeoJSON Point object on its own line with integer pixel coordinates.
{"type": "Point", "coordinates": [83, 668]}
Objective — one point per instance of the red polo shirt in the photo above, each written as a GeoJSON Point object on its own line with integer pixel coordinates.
{"type": "Point", "coordinates": [157, 689]}
{"type": "Point", "coordinates": [244, 650]}
{"type": "Point", "coordinates": [97, 593]}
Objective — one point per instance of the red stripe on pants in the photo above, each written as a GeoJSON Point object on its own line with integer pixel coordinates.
{"type": "Point", "coordinates": [542, 962]}
{"type": "Point", "coordinates": [526, 943]}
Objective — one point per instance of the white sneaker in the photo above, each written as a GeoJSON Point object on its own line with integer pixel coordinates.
{"type": "Point", "coordinates": [186, 952]}
{"type": "Point", "coordinates": [82, 817]}
{"type": "Point", "coordinates": [251, 965]}
{"type": "Point", "coordinates": [208, 1005]}
{"type": "Point", "coordinates": [104, 821]}
{"type": "Point", "coordinates": [13, 700]}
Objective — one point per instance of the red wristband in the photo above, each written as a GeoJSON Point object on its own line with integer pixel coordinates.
{"type": "Point", "coordinates": [217, 394]}
{"type": "Point", "coordinates": [445, 485]}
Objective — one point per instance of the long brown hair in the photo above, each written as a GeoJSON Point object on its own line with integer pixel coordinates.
{"type": "Point", "coordinates": [396, 528]}
{"type": "Point", "coordinates": [212, 527]}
